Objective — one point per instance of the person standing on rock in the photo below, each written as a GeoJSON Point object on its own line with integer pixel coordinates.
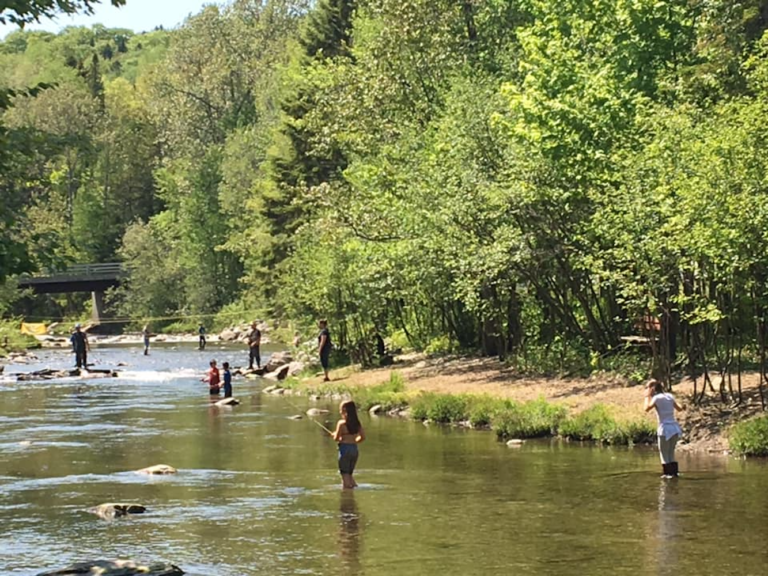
{"type": "Point", "coordinates": [324, 348]}
{"type": "Point", "coordinates": [201, 333]}
{"type": "Point", "coordinates": [254, 346]}
{"type": "Point", "coordinates": [80, 347]}
{"type": "Point", "coordinates": [145, 334]}
{"type": "Point", "coordinates": [669, 431]}
{"type": "Point", "coordinates": [213, 379]}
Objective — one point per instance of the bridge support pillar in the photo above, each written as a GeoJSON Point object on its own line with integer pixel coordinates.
{"type": "Point", "coordinates": [97, 300]}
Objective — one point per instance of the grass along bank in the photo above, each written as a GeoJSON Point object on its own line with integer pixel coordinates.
{"type": "Point", "coordinates": [507, 418]}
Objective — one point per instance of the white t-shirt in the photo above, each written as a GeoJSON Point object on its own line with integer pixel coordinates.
{"type": "Point", "coordinates": [665, 411]}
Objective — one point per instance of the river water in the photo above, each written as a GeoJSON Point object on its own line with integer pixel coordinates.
{"type": "Point", "coordinates": [258, 493]}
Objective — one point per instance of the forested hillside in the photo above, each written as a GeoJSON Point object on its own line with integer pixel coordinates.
{"type": "Point", "coordinates": [529, 179]}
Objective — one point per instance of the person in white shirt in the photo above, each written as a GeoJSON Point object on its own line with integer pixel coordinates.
{"type": "Point", "coordinates": [669, 431]}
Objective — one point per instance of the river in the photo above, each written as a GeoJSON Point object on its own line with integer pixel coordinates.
{"type": "Point", "coordinates": [258, 493]}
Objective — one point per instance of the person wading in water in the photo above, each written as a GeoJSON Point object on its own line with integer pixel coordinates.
{"type": "Point", "coordinates": [324, 346]}
{"type": "Point", "coordinates": [80, 347]}
{"type": "Point", "coordinates": [349, 433]}
{"type": "Point", "coordinates": [669, 431]}
{"type": "Point", "coordinates": [213, 378]}
{"type": "Point", "coordinates": [254, 346]}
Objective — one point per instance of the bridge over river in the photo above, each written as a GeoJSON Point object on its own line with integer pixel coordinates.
{"type": "Point", "coordinates": [93, 278]}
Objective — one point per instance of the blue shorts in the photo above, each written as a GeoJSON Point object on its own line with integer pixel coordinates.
{"type": "Point", "coordinates": [347, 458]}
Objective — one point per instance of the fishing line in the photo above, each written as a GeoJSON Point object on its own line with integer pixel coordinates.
{"type": "Point", "coordinates": [303, 412]}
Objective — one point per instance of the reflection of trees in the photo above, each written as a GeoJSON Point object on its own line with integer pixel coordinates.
{"type": "Point", "coordinates": [350, 532]}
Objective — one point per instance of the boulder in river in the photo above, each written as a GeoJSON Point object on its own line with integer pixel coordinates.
{"type": "Point", "coordinates": [229, 335]}
{"type": "Point", "coordinates": [117, 568]}
{"type": "Point", "coordinates": [295, 417]}
{"type": "Point", "coordinates": [295, 368]}
{"type": "Point", "coordinates": [316, 412]}
{"type": "Point", "coordinates": [515, 443]}
{"type": "Point", "coordinates": [377, 409]}
{"type": "Point", "coordinates": [112, 510]}
{"type": "Point", "coordinates": [158, 469]}
{"type": "Point", "coordinates": [277, 360]}
{"type": "Point", "coordinates": [279, 374]}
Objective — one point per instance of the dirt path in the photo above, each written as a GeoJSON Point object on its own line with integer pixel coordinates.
{"type": "Point", "coordinates": [704, 425]}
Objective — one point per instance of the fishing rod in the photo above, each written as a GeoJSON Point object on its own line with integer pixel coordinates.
{"type": "Point", "coordinates": [310, 419]}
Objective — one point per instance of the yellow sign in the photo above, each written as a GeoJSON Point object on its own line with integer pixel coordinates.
{"type": "Point", "coordinates": [34, 329]}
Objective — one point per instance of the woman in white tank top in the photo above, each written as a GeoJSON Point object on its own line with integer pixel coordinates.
{"type": "Point", "coordinates": [669, 431]}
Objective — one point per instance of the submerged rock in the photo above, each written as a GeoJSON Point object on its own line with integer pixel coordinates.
{"type": "Point", "coordinates": [116, 568]}
{"type": "Point", "coordinates": [515, 443]}
{"type": "Point", "coordinates": [228, 402]}
{"type": "Point", "coordinates": [296, 417]}
{"type": "Point", "coordinates": [316, 412]}
{"type": "Point", "coordinates": [111, 510]}
{"type": "Point", "coordinates": [271, 389]}
{"type": "Point", "coordinates": [158, 469]}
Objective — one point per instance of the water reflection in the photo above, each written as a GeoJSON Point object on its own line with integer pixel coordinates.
{"type": "Point", "coordinates": [350, 534]}
{"type": "Point", "coordinates": [669, 527]}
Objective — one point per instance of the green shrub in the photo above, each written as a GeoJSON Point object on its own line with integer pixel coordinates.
{"type": "Point", "coordinates": [11, 338]}
{"type": "Point", "coordinates": [443, 408]}
{"type": "Point", "coordinates": [439, 345]}
{"type": "Point", "coordinates": [483, 410]}
{"type": "Point", "coordinates": [390, 394]}
{"type": "Point", "coordinates": [750, 438]}
{"type": "Point", "coordinates": [597, 423]}
{"type": "Point", "coordinates": [530, 420]}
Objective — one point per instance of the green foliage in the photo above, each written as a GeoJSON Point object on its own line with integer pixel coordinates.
{"type": "Point", "coordinates": [26, 11]}
{"type": "Point", "coordinates": [597, 423]}
{"type": "Point", "coordinates": [528, 420]}
{"type": "Point", "coordinates": [11, 338]}
{"type": "Point", "coordinates": [525, 180]}
{"type": "Point", "coordinates": [443, 408]}
{"type": "Point", "coordinates": [750, 438]}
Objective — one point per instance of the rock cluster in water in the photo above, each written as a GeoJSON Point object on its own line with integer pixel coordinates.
{"type": "Point", "coordinates": [50, 374]}
{"type": "Point", "coordinates": [116, 568]}
{"type": "Point", "coordinates": [112, 510]}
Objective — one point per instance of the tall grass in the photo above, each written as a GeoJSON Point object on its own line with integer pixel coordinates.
{"type": "Point", "coordinates": [507, 418]}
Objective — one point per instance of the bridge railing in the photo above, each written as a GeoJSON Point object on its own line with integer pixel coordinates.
{"type": "Point", "coordinates": [107, 269]}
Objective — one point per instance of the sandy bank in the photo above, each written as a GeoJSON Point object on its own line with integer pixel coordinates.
{"type": "Point", "coordinates": [705, 425]}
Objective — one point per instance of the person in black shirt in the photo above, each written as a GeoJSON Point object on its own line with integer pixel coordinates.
{"type": "Point", "coordinates": [254, 344]}
{"type": "Point", "coordinates": [201, 333]}
{"type": "Point", "coordinates": [80, 347]}
{"type": "Point", "coordinates": [324, 347]}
